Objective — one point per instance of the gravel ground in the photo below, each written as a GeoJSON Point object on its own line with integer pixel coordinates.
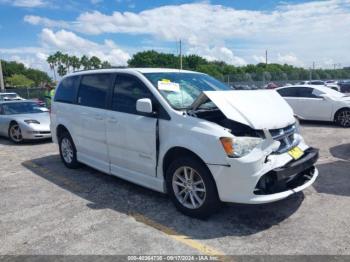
{"type": "Point", "coordinates": [46, 208]}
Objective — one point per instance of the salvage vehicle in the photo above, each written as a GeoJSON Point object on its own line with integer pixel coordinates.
{"type": "Point", "coordinates": [24, 120]}
{"type": "Point", "coordinates": [314, 102]}
{"type": "Point", "coordinates": [183, 133]}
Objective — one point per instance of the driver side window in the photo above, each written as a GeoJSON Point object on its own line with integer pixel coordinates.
{"type": "Point", "coordinates": [127, 90]}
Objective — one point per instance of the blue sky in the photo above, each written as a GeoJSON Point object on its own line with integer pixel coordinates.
{"type": "Point", "coordinates": [238, 31]}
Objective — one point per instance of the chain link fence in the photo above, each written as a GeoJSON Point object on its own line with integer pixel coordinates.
{"type": "Point", "coordinates": [28, 93]}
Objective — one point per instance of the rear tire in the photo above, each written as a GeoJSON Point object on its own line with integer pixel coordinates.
{"type": "Point", "coordinates": [68, 151]}
{"type": "Point", "coordinates": [15, 133]}
{"type": "Point", "coordinates": [342, 118]}
{"type": "Point", "coordinates": [192, 188]}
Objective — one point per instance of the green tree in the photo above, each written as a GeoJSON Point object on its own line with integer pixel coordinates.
{"type": "Point", "coordinates": [18, 80]}
{"type": "Point", "coordinates": [75, 62]}
{"type": "Point", "coordinates": [95, 62]}
{"type": "Point", "coordinates": [105, 64]}
{"type": "Point", "coordinates": [85, 62]}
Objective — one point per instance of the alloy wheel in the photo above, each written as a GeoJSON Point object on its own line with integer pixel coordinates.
{"type": "Point", "coordinates": [344, 118]}
{"type": "Point", "coordinates": [16, 133]}
{"type": "Point", "coordinates": [67, 150]}
{"type": "Point", "coordinates": [189, 187]}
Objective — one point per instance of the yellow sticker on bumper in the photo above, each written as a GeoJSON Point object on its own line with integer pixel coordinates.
{"type": "Point", "coordinates": [296, 153]}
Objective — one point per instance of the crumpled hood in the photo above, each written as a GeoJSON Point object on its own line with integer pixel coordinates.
{"type": "Point", "coordinates": [258, 109]}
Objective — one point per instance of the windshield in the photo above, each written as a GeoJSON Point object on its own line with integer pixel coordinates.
{"type": "Point", "coordinates": [181, 89]}
{"type": "Point", "coordinates": [20, 108]}
{"type": "Point", "coordinates": [332, 92]}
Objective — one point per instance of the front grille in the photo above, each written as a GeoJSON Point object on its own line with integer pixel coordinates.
{"type": "Point", "coordinates": [44, 132]}
{"type": "Point", "coordinates": [286, 136]}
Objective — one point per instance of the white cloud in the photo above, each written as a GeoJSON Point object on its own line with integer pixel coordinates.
{"type": "Point", "coordinates": [25, 3]}
{"type": "Point", "coordinates": [310, 31]}
{"type": "Point", "coordinates": [67, 42]}
{"type": "Point", "coordinates": [220, 53]}
{"type": "Point", "coordinates": [289, 59]}
{"type": "Point", "coordinates": [259, 59]}
{"type": "Point", "coordinates": [37, 20]}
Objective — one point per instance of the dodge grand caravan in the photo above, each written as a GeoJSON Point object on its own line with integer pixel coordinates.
{"type": "Point", "coordinates": [183, 133]}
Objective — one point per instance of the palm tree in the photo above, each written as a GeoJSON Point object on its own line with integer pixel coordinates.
{"type": "Point", "coordinates": [75, 62]}
{"type": "Point", "coordinates": [51, 59]}
{"type": "Point", "coordinates": [85, 62]}
{"type": "Point", "coordinates": [61, 70]}
{"type": "Point", "coordinates": [66, 62]}
{"type": "Point", "coordinates": [95, 62]}
{"type": "Point", "coordinates": [105, 64]}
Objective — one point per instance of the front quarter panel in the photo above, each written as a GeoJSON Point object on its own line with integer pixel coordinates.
{"type": "Point", "coordinates": [197, 135]}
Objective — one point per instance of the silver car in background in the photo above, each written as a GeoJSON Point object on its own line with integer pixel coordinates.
{"type": "Point", "coordinates": [24, 120]}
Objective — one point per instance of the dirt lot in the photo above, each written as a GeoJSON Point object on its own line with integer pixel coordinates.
{"type": "Point", "coordinates": [47, 209]}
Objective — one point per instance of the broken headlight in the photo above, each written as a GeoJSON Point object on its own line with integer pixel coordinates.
{"type": "Point", "coordinates": [239, 146]}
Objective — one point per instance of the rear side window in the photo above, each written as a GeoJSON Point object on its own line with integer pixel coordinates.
{"type": "Point", "coordinates": [288, 92]}
{"type": "Point", "coordinates": [127, 90]}
{"type": "Point", "coordinates": [306, 92]}
{"type": "Point", "coordinates": [93, 90]}
{"type": "Point", "coordinates": [67, 90]}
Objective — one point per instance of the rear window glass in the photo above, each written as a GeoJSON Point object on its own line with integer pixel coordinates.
{"type": "Point", "coordinates": [67, 90]}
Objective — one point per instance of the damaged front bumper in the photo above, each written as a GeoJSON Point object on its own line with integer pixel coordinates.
{"type": "Point", "coordinates": [263, 177]}
{"type": "Point", "coordinates": [291, 176]}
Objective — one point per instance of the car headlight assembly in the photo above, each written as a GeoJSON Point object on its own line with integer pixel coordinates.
{"type": "Point", "coordinates": [31, 121]}
{"type": "Point", "coordinates": [239, 146]}
{"type": "Point", "coordinates": [297, 126]}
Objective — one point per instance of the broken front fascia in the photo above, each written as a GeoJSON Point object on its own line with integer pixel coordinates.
{"type": "Point", "coordinates": [266, 147]}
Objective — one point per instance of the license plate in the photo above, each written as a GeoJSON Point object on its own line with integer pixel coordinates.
{"type": "Point", "coordinates": [296, 153]}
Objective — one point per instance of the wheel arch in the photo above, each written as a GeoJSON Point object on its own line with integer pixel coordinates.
{"type": "Point", "coordinates": [60, 130]}
{"type": "Point", "coordinates": [338, 111]}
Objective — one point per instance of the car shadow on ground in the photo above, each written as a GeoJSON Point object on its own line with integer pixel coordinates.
{"type": "Point", "coordinates": [341, 151]}
{"type": "Point", "coordinates": [8, 142]}
{"type": "Point", "coordinates": [312, 123]}
{"type": "Point", "coordinates": [109, 192]}
{"type": "Point", "coordinates": [334, 176]}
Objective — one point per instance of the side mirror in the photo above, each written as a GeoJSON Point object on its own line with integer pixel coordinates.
{"type": "Point", "coordinates": [144, 105]}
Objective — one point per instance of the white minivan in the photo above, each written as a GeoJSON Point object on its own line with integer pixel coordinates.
{"type": "Point", "coordinates": [183, 133]}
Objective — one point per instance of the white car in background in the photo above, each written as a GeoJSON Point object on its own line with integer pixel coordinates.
{"type": "Point", "coordinates": [10, 96]}
{"type": "Point", "coordinates": [316, 102]}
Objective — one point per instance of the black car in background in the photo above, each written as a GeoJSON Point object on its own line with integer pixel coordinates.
{"type": "Point", "coordinates": [344, 86]}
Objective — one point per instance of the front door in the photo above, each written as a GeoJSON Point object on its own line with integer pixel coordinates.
{"type": "Point", "coordinates": [131, 136]}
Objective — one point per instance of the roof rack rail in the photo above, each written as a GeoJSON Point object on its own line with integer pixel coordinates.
{"type": "Point", "coordinates": [111, 67]}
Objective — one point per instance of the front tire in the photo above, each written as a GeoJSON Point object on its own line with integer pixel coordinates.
{"type": "Point", "coordinates": [192, 188]}
{"type": "Point", "coordinates": [15, 133]}
{"type": "Point", "coordinates": [342, 117]}
{"type": "Point", "coordinates": [68, 151]}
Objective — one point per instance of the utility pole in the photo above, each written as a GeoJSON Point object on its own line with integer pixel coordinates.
{"type": "Point", "coordinates": [313, 69]}
{"type": "Point", "coordinates": [2, 86]}
{"type": "Point", "coordinates": [180, 55]}
{"type": "Point", "coordinates": [266, 56]}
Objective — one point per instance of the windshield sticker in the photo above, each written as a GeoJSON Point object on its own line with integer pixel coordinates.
{"type": "Point", "coordinates": [167, 85]}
